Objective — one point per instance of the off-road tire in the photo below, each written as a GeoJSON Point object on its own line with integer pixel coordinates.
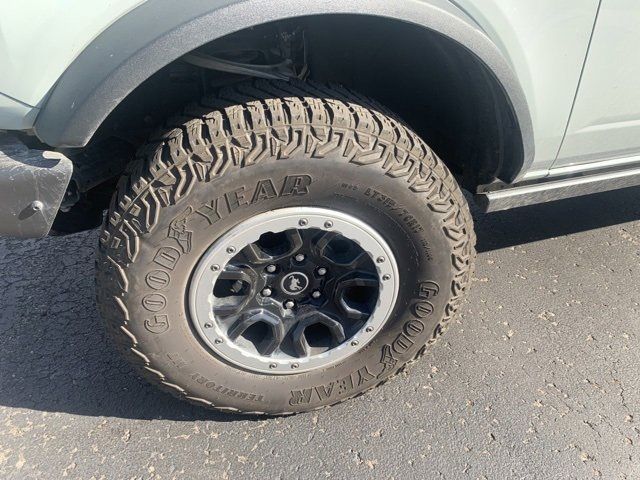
{"type": "Point", "coordinates": [361, 159]}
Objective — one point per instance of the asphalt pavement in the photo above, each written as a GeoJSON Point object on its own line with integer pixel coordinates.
{"type": "Point", "coordinates": [539, 379]}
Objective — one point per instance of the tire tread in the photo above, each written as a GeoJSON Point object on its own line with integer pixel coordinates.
{"type": "Point", "coordinates": [241, 125]}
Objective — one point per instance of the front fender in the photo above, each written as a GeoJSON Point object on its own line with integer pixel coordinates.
{"type": "Point", "coordinates": [159, 31]}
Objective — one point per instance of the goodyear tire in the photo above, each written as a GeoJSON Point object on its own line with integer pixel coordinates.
{"type": "Point", "coordinates": [258, 153]}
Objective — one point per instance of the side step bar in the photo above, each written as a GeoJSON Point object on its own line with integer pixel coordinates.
{"type": "Point", "coordinates": [557, 190]}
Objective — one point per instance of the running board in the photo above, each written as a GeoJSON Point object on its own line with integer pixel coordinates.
{"type": "Point", "coordinates": [557, 190]}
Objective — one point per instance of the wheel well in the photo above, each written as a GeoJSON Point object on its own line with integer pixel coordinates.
{"type": "Point", "coordinates": [437, 86]}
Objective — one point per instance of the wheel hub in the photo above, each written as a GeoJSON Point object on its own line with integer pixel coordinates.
{"type": "Point", "coordinates": [294, 283]}
{"type": "Point", "coordinates": [293, 290]}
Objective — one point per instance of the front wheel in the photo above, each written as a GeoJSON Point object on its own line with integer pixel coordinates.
{"type": "Point", "coordinates": [284, 247]}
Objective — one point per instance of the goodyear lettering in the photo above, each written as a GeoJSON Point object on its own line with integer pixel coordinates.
{"type": "Point", "coordinates": [178, 230]}
{"type": "Point", "coordinates": [428, 290]}
{"type": "Point", "coordinates": [331, 390]}
{"type": "Point", "coordinates": [300, 397]}
{"type": "Point", "coordinates": [422, 309]}
{"type": "Point", "coordinates": [157, 279]}
{"type": "Point", "coordinates": [158, 324]}
{"type": "Point", "coordinates": [325, 391]}
{"type": "Point", "coordinates": [167, 257]}
{"type": "Point", "coordinates": [210, 211]}
{"type": "Point", "coordinates": [154, 302]}
{"type": "Point", "coordinates": [364, 376]}
{"type": "Point", "coordinates": [296, 185]}
{"type": "Point", "coordinates": [264, 191]}
{"type": "Point", "coordinates": [401, 344]}
{"type": "Point", "coordinates": [387, 360]}
{"type": "Point", "coordinates": [411, 329]}
{"type": "Point", "coordinates": [405, 340]}
{"type": "Point", "coordinates": [236, 199]}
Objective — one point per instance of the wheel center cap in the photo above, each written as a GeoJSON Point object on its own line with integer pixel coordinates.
{"type": "Point", "coordinates": [294, 283]}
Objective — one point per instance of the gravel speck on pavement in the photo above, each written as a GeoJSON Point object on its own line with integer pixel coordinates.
{"type": "Point", "coordinates": [539, 378]}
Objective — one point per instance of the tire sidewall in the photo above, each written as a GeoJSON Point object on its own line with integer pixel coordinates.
{"type": "Point", "coordinates": [159, 313]}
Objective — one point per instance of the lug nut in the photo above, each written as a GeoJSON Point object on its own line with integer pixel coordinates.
{"type": "Point", "coordinates": [266, 292]}
{"type": "Point", "coordinates": [289, 304]}
{"type": "Point", "coordinates": [328, 224]}
{"type": "Point", "coordinates": [215, 268]}
{"type": "Point", "coordinates": [354, 343]}
{"type": "Point", "coordinates": [231, 249]}
{"type": "Point", "coordinates": [386, 277]}
{"type": "Point", "coordinates": [316, 294]}
{"type": "Point", "coordinates": [300, 257]}
{"type": "Point", "coordinates": [273, 365]}
{"type": "Point", "coordinates": [380, 259]}
{"type": "Point", "coordinates": [271, 268]}
{"type": "Point", "coordinates": [322, 271]}
{"type": "Point", "coordinates": [369, 329]}
{"type": "Point", "coordinates": [294, 365]}
{"type": "Point", "coordinates": [218, 341]}
{"type": "Point", "coordinates": [208, 325]}
{"type": "Point", "coordinates": [303, 222]}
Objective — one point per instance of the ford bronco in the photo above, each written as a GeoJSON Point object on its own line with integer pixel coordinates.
{"type": "Point", "coordinates": [278, 183]}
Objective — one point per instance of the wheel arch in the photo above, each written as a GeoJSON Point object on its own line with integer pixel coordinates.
{"type": "Point", "coordinates": [145, 40]}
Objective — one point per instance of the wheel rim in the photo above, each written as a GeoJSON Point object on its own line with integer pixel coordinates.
{"type": "Point", "coordinates": [293, 290]}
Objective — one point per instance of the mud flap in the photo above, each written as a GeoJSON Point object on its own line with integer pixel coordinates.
{"type": "Point", "coordinates": [32, 185]}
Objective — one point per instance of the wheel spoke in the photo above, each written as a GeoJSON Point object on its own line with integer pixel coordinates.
{"type": "Point", "coordinates": [234, 289]}
{"type": "Point", "coordinates": [320, 244]}
{"type": "Point", "coordinates": [289, 243]}
{"type": "Point", "coordinates": [268, 343]}
{"type": "Point", "coordinates": [356, 296]}
{"type": "Point", "coordinates": [341, 252]}
{"type": "Point", "coordinates": [299, 336]}
{"type": "Point", "coordinates": [255, 255]}
{"type": "Point", "coordinates": [358, 259]}
{"type": "Point", "coordinates": [295, 241]}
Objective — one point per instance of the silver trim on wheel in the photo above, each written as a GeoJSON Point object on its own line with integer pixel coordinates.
{"type": "Point", "coordinates": [310, 296]}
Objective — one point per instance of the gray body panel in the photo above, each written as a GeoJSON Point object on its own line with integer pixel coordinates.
{"type": "Point", "coordinates": [605, 121]}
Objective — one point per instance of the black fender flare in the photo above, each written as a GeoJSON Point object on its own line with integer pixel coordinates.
{"type": "Point", "coordinates": [158, 32]}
